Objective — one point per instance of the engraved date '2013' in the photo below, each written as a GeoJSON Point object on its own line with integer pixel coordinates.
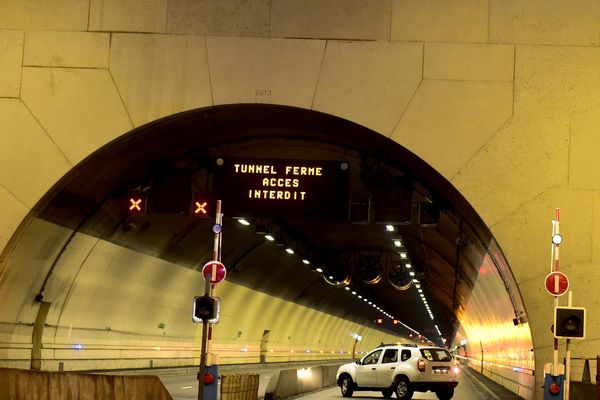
{"type": "Point", "coordinates": [262, 92]}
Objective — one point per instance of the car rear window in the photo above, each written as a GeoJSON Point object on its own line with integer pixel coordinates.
{"type": "Point", "coordinates": [436, 354]}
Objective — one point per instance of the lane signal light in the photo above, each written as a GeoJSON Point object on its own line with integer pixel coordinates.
{"type": "Point", "coordinates": [137, 202]}
{"type": "Point", "coordinates": [200, 205]}
{"type": "Point", "coordinates": [200, 208]}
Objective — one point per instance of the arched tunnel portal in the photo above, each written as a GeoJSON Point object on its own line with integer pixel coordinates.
{"type": "Point", "coordinates": [394, 252]}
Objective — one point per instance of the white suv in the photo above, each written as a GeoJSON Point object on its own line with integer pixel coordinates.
{"type": "Point", "coordinates": [401, 369]}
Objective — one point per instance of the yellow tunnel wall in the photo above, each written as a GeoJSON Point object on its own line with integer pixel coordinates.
{"type": "Point", "coordinates": [114, 308]}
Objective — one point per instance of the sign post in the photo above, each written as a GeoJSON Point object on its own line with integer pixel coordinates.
{"type": "Point", "coordinates": [213, 272]}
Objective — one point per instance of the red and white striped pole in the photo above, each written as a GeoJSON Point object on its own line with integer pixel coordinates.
{"type": "Point", "coordinates": [216, 257]}
{"type": "Point", "coordinates": [555, 266]}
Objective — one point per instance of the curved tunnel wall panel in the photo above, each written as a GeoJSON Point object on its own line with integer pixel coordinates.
{"type": "Point", "coordinates": [112, 307]}
{"type": "Point", "coordinates": [488, 327]}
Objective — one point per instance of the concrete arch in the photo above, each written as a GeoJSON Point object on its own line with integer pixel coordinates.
{"type": "Point", "coordinates": [490, 94]}
{"type": "Point", "coordinates": [112, 307]}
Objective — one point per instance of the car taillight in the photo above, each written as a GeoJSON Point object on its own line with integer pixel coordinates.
{"type": "Point", "coordinates": [421, 365]}
{"type": "Point", "coordinates": [455, 368]}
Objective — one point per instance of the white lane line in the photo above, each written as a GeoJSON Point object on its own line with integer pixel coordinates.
{"type": "Point", "coordinates": [187, 387]}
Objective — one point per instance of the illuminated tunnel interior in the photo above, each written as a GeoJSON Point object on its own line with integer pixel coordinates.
{"type": "Point", "coordinates": [393, 247]}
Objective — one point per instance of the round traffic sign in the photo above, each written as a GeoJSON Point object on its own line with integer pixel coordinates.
{"type": "Point", "coordinates": [557, 283]}
{"type": "Point", "coordinates": [216, 270]}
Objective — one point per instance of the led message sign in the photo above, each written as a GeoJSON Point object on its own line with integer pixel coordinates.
{"type": "Point", "coordinates": [295, 189]}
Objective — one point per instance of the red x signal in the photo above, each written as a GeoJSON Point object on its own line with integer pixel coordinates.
{"type": "Point", "coordinates": [201, 208]}
{"type": "Point", "coordinates": [137, 201]}
{"type": "Point", "coordinates": [135, 204]}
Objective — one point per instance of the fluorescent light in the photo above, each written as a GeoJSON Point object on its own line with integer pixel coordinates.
{"type": "Point", "coordinates": [403, 255]}
{"type": "Point", "coordinates": [305, 261]}
{"type": "Point", "coordinates": [319, 269]}
{"type": "Point", "coordinates": [411, 273]}
{"type": "Point", "coordinates": [397, 243]}
{"type": "Point", "coordinates": [389, 228]}
{"type": "Point", "coordinates": [243, 221]}
{"type": "Point", "coordinates": [289, 251]}
{"type": "Point", "coordinates": [347, 288]}
{"type": "Point", "coordinates": [408, 265]}
{"type": "Point", "coordinates": [269, 237]}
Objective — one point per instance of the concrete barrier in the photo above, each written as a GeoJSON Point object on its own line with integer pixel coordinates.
{"type": "Point", "coordinates": [292, 382]}
{"type": "Point", "coordinates": [20, 384]}
{"type": "Point", "coordinates": [329, 372]}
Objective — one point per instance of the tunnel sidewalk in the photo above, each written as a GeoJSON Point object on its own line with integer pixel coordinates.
{"type": "Point", "coordinates": [487, 385]}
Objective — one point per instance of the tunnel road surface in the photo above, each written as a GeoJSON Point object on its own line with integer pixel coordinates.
{"type": "Point", "coordinates": [472, 386]}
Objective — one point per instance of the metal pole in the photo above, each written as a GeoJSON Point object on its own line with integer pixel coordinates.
{"type": "Point", "coordinates": [208, 289]}
{"type": "Point", "coordinates": [202, 362]}
{"type": "Point", "coordinates": [216, 257]}
{"type": "Point", "coordinates": [568, 359]}
{"type": "Point", "coordinates": [202, 366]}
{"type": "Point", "coordinates": [597, 377]}
{"type": "Point", "coordinates": [555, 266]}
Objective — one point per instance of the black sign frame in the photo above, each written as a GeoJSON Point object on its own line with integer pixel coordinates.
{"type": "Point", "coordinates": [290, 188]}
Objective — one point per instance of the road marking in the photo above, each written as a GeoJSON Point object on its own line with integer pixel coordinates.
{"type": "Point", "coordinates": [187, 387]}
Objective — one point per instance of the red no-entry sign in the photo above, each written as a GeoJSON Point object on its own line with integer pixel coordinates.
{"type": "Point", "coordinates": [216, 270]}
{"type": "Point", "coordinates": [557, 283]}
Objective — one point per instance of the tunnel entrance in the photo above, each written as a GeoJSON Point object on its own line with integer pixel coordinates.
{"type": "Point", "coordinates": [400, 251]}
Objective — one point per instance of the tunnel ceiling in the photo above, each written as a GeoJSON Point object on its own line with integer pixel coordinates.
{"type": "Point", "coordinates": [356, 255]}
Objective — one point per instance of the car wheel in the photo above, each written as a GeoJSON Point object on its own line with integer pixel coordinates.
{"type": "Point", "coordinates": [347, 386]}
{"type": "Point", "coordinates": [403, 389]}
{"type": "Point", "coordinates": [387, 393]}
{"type": "Point", "coordinates": [445, 394]}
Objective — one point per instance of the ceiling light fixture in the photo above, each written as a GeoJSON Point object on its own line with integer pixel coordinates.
{"type": "Point", "coordinates": [243, 222]}
{"type": "Point", "coordinates": [269, 237]}
{"type": "Point", "coordinates": [389, 228]}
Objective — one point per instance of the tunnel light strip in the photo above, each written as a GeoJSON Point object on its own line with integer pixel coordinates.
{"type": "Point", "coordinates": [403, 255]}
